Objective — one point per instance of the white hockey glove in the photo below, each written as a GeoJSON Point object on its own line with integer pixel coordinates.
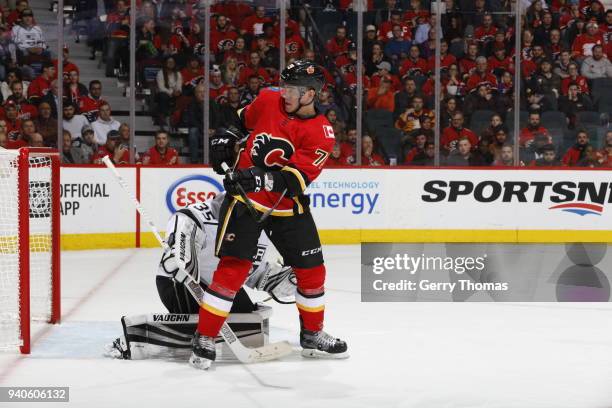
{"type": "Point", "coordinates": [278, 280]}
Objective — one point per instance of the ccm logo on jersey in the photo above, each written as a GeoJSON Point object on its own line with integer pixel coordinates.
{"type": "Point", "coordinates": [311, 251]}
{"type": "Point", "coordinates": [219, 141]}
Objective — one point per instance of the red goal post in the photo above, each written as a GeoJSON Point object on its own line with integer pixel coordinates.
{"type": "Point", "coordinates": [29, 243]}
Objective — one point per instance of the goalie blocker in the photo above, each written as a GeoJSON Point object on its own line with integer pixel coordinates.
{"type": "Point", "coordinates": [190, 237]}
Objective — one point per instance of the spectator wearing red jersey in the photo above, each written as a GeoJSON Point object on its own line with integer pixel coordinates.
{"type": "Point", "coordinates": [67, 65]}
{"type": "Point", "coordinates": [218, 90]}
{"type": "Point", "coordinates": [161, 154]}
{"type": "Point", "coordinates": [534, 128]}
{"type": "Point", "coordinates": [253, 24]}
{"type": "Point", "coordinates": [335, 158]}
{"type": "Point", "coordinates": [368, 156]}
{"type": "Point", "coordinates": [416, 14]}
{"type": "Point", "coordinates": [584, 43]}
{"type": "Point", "coordinates": [499, 62]}
{"type": "Point", "coordinates": [42, 84]}
{"type": "Point", "coordinates": [446, 59]}
{"type": "Point", "coordinates": [574, 78]}
{"type": "Point", "coordinates": [419, 146]}
{"type": "Point", "coordinates": [576, 153]}
{"type": "Point", "coordinates": [240, 52]}
{"type": "Point", "coordinates": [414, 65]}
{"type": "Point", "coordinates": [193, 73]}
{"type": "Point", "coordinates": [25, 110]}
{"type": "Point", "coordinates": [339, 44]}
{"type": "Point", "coordinates": [481, 76]}
{"type": "Point", "coordinates": [13, 124]}
{"type": "Point", "coordinates": [486, 32]}
{"type": "Point", "coordinates": [5, 143]}
{"type": "Point", "coordinates": [467, 65]}
{"type": "Point", "coordinates": [456, 131]}
{"type": "Point", "coordinates": [114, 149]}
{"type": "Point", "coordinates": [385, 31]}
{"type": "Point", "coordinates": [222, 35]}
{"type": "Point", "coordinates": [253, 69]}
{"type": "Point", "coordinates": [294, 44]}
{"type": "Point", "coordinates": [381, 97]}
{"type": "Point", "coordinates": [348, 147]}
{"type": "Point", "coordinates": [90, 105]}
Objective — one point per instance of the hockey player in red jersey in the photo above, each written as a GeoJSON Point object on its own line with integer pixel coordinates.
{"type": "Point", "coordinates": [285, 151]}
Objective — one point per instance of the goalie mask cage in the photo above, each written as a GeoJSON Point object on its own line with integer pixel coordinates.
{"type": "Point", "coordinates": [29, 243]}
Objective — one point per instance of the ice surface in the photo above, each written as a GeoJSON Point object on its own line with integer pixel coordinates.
{"type": "Point", "coordinates": [421, 355]}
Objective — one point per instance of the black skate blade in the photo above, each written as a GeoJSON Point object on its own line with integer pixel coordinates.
{"type": "Point", "coordinates": [317, 354]}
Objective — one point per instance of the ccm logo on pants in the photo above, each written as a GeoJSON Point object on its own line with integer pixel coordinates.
{"type": "Point", "coordinates": [311, 251]}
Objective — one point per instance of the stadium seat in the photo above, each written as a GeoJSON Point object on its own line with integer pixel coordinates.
{"type": "Point", "coordinates": [605, 108]}
{"type": "Point", "coordinates": [554, 119]}
{"type": "Point", "coordinates": [601, 87]}
{"type": "Point", "coordinates": [390, 141]}
{"type": "Point", "coordinates": [377, 118]}
{"type": "Point", "coordinates": [327, 22]}
{"type": "Point", "coordinates": [588, 119]}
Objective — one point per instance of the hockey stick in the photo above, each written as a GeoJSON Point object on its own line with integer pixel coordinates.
{"type": "Point", "coordinates": [244, 354]}
{"type": "Point", "coordinates": [249, 203]}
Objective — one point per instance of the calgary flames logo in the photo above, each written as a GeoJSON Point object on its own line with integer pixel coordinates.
{"type": "Point", "coordinates": [271, 152]}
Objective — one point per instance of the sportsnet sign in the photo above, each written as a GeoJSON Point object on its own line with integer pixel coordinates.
{"type": "Point", "coordinates": [581, 198]}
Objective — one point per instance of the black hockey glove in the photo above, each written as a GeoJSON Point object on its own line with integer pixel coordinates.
{"type": "Point", "coordinates": [222, 147]}
{"type": "Point", "coordinates": [252, 180]}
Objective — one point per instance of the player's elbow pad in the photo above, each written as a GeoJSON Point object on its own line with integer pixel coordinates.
{"type": "Point", "coordinates": [291, 179]}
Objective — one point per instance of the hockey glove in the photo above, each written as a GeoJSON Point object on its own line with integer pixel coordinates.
{"type": "Point", "coordinates": [252, 180]}
{"type": "Point", "coordinates": [222, 147]}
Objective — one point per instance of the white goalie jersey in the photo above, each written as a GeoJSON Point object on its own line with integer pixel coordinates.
{"type": "Point", "coordinates": [191, 234]}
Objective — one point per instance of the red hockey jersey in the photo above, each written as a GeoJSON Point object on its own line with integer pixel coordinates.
{"type": "Point", "coordinates": [278, 141]}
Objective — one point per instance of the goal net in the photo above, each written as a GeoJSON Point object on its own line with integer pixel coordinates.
{"type": "Point", "coordinates": [29, 243]}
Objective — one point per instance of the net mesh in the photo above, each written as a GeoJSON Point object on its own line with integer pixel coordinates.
{"type": "Point", "coordinates": [40, 243]}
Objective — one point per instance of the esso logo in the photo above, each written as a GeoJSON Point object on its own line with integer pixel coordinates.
{"type": "Point", "coordinates": [191, 189]}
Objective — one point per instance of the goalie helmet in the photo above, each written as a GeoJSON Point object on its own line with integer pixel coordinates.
{"type": "Point", "coordinates": [303, 73]}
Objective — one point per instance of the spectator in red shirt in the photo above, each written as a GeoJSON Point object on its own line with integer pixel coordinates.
{"type": "Point", "coordinates": [90, 104]}
{"type": "Point", "coordinates": [574, 154]}
{"type": "Point", "coordinates": [339, 44]}
{"type": "Point", "coordinates": [381, 97]}
{"type": "Point", "coordinates": [368, 156]}
{"type": "Point", "coordinates": [486, 32]}
{"type": "Point", "coordinates": [529, 133]}
{"type": "Point", "coordinates": [294, 44]}
{"type": "Point", "coordinates": [13, 124]}
{"type": "Point", "coordinates": [222, 35]}
{"type": "Point", "coordinates": [161, 154]}
{"type": "Point", "coordinates": [254, 68]}
{"type": "Point", "coordinates": [114, 149]}
{"type": "Point", "coordinates": [419, 147]}
{"type": "Point", "coordinates": [574, 78]}
{"type": "Point", "coordinates": [506, 156]}
{"type": "Point", "coordinates": [384, 71]}
{"type": "Point", "coordinates": [414, 65]}
{"type": "Point", "coordinates": [253, 24]}
{"type": "Point", "coordinates": [467, 64]}
{"type": "Point", "coordinates": [456, 131]}
{"type": "Point", "coordinates": [42, 84]}
{"type": "Point", "coordinates": [25, 110]}
{"type": "Point", "coordinates": [482, 76]}
{"type": "Point", "coordinates": [386, 27]}
{"type": "Point", "coordinates": [335, 158]}
{"type": "Point", "coordinates": [584, 43]}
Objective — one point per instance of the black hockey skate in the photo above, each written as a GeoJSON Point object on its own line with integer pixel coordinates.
{"type": "Point", "coordinates": [203, 351]}
{"type": "Point", "coordinates": [318, 344]}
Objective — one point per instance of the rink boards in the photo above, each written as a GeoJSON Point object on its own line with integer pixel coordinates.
{"type": "Point", "coordinates": [360, 205]}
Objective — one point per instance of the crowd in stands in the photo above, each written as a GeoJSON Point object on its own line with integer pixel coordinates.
{"type": "Point", "coordinates": [565, 73]}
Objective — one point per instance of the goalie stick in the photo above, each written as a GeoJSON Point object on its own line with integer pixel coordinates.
{"type": "Point", "coordinates": [244, 354]}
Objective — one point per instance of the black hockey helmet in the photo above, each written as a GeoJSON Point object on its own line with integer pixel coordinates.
{"type": "Point", "coordinates": [304, 73]}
